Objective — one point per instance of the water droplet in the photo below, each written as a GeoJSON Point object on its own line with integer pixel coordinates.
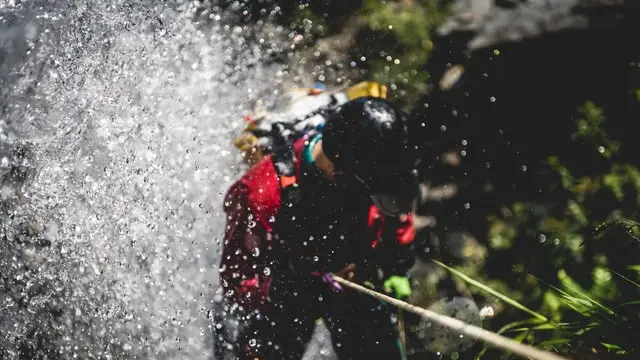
{"type": "Point", "coordinates": [487, 311]}
{"type": "Point", "coordinates": [467, 206]}
{"type": "Point", "coordinates": [601, 149]}
{"type": "Point", "coordinates": [255, 252]}
{"type": "Point", "coordinates": [492, 99]}
{"type": "Point", "coordinates": [252, 342]}
{"type": "Point", "coordinates": [266, 271]}
{"type": "Point", "coordinates": [542, 238]}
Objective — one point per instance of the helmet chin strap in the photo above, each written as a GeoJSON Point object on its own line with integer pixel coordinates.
{"type": "Point", "coordinates": [384, 210]}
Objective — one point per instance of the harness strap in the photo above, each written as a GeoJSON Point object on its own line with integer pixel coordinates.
{"type": "Point", "coordinates": [286, 165]}
{"type": "Point", "coordinates": [284, 160]}
{"type": "Point", "coordinates": [286, 181]}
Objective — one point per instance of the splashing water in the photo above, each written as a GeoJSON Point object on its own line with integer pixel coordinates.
{"type": "Point", "coordinates": [115, 131]}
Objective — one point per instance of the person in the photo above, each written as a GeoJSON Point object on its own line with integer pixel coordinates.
{"type": "Point", "coordinates": [339, 200]}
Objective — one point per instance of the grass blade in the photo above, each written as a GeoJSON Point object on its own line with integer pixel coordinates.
{"type": "Point", "coordinates": [626, 278]}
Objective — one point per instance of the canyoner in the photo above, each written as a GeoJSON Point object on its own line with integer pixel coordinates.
{"type": "Point", "coordinates": [329, 190]}
{"type": "Point", "coordinates": [296, 113]}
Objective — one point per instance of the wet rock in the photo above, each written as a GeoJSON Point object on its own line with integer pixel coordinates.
{"type": "Point", "coordinates": [440, 339]}
{"type": "Point", "coordinates": [507, 81]}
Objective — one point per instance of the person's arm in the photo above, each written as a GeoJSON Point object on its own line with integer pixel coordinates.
{"type": "Point", "coordinates": [242, 267]}
{"type": "Point", "coordinates": [396, 255]}
{"type": "Point", "coordinates": [397, 245]}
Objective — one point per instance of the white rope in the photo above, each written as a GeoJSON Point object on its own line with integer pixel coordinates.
{"type": "Point", "coordinates": [489, 337]}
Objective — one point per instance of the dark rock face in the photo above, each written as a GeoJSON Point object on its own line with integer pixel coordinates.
{"type": "Point", "coordinates": [507, 80]}
{"type": "Point", "coordinates": [490, 24]}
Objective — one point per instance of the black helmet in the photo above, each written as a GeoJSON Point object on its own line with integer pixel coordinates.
{"type": "Point", "coordinates": [369, 140]}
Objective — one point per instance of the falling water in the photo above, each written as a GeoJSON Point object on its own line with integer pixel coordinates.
{"type": "Point", "coordinates": [115, 128]}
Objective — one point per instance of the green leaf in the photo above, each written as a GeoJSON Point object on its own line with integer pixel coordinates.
{"type": "Point", "coordinates": [554, 341]}
{"type": "Point", "coordinates": [545, 326]}
{"type": "Point", "coordinates": [614, 348]}
{"type": "Point", "coordinates": [508, 327]}
{"type": "Point", "coordinates": [581, 295]}
{"type": "Point", "coordinates": [634, 267]}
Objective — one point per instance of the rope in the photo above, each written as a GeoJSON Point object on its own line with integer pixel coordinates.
{"type": "Point", "coordinates": [489, 337]}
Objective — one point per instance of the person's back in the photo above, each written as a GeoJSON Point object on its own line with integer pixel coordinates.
{"type": "Point", "coordinates": [301, 213]}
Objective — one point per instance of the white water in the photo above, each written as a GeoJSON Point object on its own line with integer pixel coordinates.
{"type": "Point", "coordinates": [128, 112]}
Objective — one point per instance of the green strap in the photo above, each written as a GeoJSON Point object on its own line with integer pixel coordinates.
{"type": "Point", "coordinates": [307, 154]}
{"type": "Point", "coordinates": [403, 355]}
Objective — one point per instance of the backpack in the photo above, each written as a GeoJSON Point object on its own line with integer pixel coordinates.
{"type": "Point", "coordinates": [296, 113]}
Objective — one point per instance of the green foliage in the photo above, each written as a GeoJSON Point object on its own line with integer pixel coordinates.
{"type": "Point", "coordinates": [590, 130]}
{"type": "Point", "coordinates": [409, 27]}
{"type": "Point", "coordinates": [393, 38]}
{"type": "Point", "coordinates": [566, 270]}
{"type": "Point", "coordinates": [563, 273]}
{"type": "Point", "coordinates": [584, 320]}
{"type": "Point", "coordinates": [491, 291]}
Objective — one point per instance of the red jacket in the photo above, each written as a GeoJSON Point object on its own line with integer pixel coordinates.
{"type": "Point", "coordinates": [251, 205]}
